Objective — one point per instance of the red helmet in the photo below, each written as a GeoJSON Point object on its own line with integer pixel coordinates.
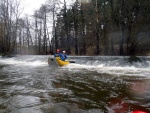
{"type": "Point", "coordinates": [57, 50]}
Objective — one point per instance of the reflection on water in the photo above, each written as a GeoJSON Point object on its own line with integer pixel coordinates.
{"type": "Point", "coordinates": [29, 85]}
{"type": "Point", "coordinates": [104, 91]}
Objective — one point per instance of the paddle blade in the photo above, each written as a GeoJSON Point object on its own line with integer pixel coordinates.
{"type": "Point", "coordinates": [72, 61]}
{"type": "Point", "coordinates": [138, 112]}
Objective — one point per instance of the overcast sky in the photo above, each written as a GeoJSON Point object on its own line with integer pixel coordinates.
{"type": "Point", "coordinates": [30, 6]}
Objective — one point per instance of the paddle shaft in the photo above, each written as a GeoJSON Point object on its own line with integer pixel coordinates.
{"type": "Point", "coordinates": [72, 61]}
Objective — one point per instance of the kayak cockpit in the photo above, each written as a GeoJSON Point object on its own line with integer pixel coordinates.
{"type": "Point", "coordinates": [56, 61]}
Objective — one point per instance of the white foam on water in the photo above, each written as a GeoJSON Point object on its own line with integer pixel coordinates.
{"type": "Point", "coordinates": [28, 62]}
{"type": "Point", "coordinates": [115, 67]}
{"type": "Point", "coordinates": [115, 70]}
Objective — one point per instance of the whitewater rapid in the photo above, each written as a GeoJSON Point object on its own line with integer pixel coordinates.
{"type": "Point", "coordinates": [103, 82]}
{"type": "Point", "coordinates": [110, 65]}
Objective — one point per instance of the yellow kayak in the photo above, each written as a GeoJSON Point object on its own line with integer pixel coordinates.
{"type": "Point", "coordinates": [60, 62]}
{"type": "Point", "coordinates": [57, 61]}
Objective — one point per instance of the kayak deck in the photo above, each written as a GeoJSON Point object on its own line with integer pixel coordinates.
{"type": "Point", "coordinates": [56, 61]}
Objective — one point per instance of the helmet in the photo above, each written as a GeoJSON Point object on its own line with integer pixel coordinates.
{"type": "Point", "coordinates": [57, 50]}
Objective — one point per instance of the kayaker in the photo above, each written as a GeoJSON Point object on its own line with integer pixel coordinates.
{"type": "Point", "coordinates": [62, 56]}
{"type": "Point", "coordinates": [65, 55]}
{"type": "Point", "coordinates": [57, 53]}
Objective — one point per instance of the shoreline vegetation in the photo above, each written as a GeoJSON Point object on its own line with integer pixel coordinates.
{"type": "Point", "coordinates": [96, 27]}
{"type": "Point", "coordinates": [14, 55]}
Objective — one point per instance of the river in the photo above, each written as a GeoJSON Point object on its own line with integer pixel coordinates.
{"type": "Point", "coordinates": [94, 84]}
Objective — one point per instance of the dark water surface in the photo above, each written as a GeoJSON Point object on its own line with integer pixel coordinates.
{"type": "Point", "coordinates": [91, 85]}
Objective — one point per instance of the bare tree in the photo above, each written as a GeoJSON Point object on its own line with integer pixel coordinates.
{"type": "Point", "coordinates": [75, 21]}
{"type": "Point", "coordinates": [10, 13]}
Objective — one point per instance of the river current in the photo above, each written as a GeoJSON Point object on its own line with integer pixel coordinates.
{"type": "Point", "coordinates": [94, 84]}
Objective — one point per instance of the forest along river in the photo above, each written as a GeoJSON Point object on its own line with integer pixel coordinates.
{"type": "Point", "coordinates": [98, 84]}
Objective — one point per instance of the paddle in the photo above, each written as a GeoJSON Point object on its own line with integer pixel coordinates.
{"type": "Point", "coordinates": [72, 61]}
{"type": "Point", "coordinates": [139, 112]}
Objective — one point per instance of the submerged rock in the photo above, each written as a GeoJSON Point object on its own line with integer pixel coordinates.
{"type": "Point", "coordinates": [134, 59]}
{"type": "Point", "coordinates": [64, 107]}
{"type": "Point", "coordinates": [8, 55]}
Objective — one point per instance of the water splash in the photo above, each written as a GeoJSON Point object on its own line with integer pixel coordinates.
{"type": "Point", "coordinates": [24, 61]}
{"type": "Point", "coordinates": [113, 65]}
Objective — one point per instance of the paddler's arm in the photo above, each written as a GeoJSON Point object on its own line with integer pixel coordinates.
{"type": "Point", "coordinates": [62, 56]}
{"type": "Point", "coordinates": [66, 56]}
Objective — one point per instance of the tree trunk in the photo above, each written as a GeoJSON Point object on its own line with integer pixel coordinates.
{"type": "Point", "coordinates": [45, 44]}
{"type": "Point", "coordinates": [122, 28]}
{"type": "Point", "coordinates": [66, 28]}
{"type": "Point", "coordinates": [112, 17]}
{"type": "Point", "coordinates": [97, 29]}
{"type": "Point", "coordinates": [75, 28]}
{"type": "Point", "coordinates": [83, 31]}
